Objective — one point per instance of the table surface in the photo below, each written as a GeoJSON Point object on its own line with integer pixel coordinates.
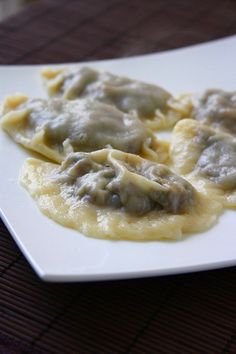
{"type": "Point", "coordinates": [192, 313]}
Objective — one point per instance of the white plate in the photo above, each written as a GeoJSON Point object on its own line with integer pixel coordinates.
{"type": "Point", "coordinates": [60, 254]}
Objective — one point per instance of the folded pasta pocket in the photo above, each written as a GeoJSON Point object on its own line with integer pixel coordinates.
{"type": "Point", "coordinates": [111, 194]}
{"type": "Point", "coordinates": [151, 103]}
{"type": "Point", "coordinates": [57, 127]}
{"type": "Point", "coordinates": [216, 108]}
{"type": "Point", "coordinates": [207, 158]}
{"type": "Point", "coordinates": [213, 107]}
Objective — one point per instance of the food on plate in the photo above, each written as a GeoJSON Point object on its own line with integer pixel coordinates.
{"type": "Point", "coordinates": [216, 108]}
{"type": "Point", "coordinates": [207, 158]}
{"type": "Point", "coordinates": [57, 127]}
{"type": "Point", "coordinates": [112, 194]}
{"type": "Point", "coordinates": [151, 103]}
{"type": "Point", "coordinates": [213, 107]}
{"type": "Point", "coordinates": [111, 181]}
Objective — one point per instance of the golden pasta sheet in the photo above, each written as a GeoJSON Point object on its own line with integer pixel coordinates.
{"type": "Point", "coordinates": [207, 158]}
{"type": "Point", "coordinates": [112, 194]}
{"type": "Point", "coordinates": [151, 103]}
{"type": "Point", "coordinates": [57, 127]}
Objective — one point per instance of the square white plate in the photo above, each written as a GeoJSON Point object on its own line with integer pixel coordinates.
{"type": "Point", "coordinates": [60, 254]}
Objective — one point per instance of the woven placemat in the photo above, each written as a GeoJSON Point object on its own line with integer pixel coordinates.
{"type": "Point", "coordinates": [192, 313]}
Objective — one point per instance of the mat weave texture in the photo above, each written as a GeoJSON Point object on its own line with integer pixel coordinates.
{"type": "Point", "coordinates": [192, 314]}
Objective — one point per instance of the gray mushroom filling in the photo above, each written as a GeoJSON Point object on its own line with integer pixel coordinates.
{"type": "Point", "coordinates": [217, 108]}
{"type": "Point", "coordinates": [218, 160]}
{"type": "Point", "coordinates": [85, 125]}
{"type": "Point", "coordinates": [114, 183]}
{"type": "Point", "coordinates": [125, 94]}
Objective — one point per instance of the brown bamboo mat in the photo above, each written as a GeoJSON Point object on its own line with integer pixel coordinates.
{"type": "Point", "coordinates": [193, 313]}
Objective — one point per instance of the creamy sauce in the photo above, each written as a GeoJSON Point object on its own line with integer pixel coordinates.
{"type": "Point", "coordinates": [116, 195]}
{"type": "Point", "coordinates": [118, 180]}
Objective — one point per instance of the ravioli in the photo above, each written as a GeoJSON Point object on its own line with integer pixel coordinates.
{"type": "Point", "coordinates": [112, 194]}
{"type": "Point", "coordinates": [215, 108]}
{"type": "Point", "coordinates": [57, 127]}
{"type": "Point", "coordinates": [154, 105]}
{"type": "Point", "coordinates": [207, 158]}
